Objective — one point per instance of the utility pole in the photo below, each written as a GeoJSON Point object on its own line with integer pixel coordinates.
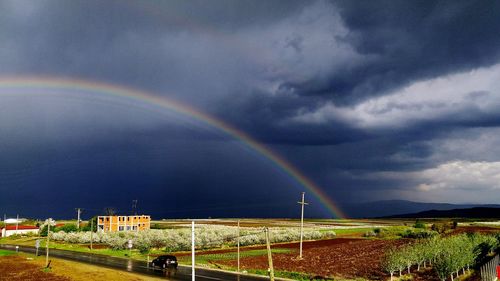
{"type": "Point", "coordinates": [192, 252]}
{"type": "Point", "coordinates": [269, 256]}
{"type": "Point", "coordinates": [302, 203]}
{"type": "Point", "coordinates": [238, 246]}
{"type": "Point", "coordinates": [134, 207]}
{"type": "Point", "coordinates": [79, 210]}
{"type": "Point", "coordinates": [17, 223]}
{"type": "Point", "coordinates": [47, 244]}
{"type": "Point", "coordinates": [91, 231]}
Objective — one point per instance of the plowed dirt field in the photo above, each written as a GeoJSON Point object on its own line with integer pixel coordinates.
{"type": "Point", "coordinates": [341, 257]}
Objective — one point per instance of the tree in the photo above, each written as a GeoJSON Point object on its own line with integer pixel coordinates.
{"type": "Point", "coordinates": [409, 256]}
{"type": "Point", "coordinates": [44, 229]}
{"type": "Point", "coordinates": [392, 261]}
{"type": "Point", "coordinates": [92, 222]}
{"type": "Point", "coordinates": [443, 265]}
{"type": "Point", "coordinates": [420, 254]}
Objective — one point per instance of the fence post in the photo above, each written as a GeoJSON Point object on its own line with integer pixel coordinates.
{"type": "Point", "coordinates": [489, 269]}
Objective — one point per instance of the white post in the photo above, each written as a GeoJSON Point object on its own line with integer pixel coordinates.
{"type": "Point", "coordinates": [238, 246]}
{"type": "Point", "coordinates": [192, 251]}
{"type": "Point", "coordinates": [17, 223]}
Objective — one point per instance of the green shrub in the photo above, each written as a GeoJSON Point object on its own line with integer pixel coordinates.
{"type": "Point", "coordinates": [43, 231]}
{"type": "Point", "coordinates": [67, 228]}
{"type": "Point", "coordinates": [419, 224]}
{"type": "Point", "coordinates": [370, 234]}
{"type": "Point", "coordinates": [418, 234]}
{"type": "Point", "coordinates": [441, 227]}
{"type": "Point", "coordinates": [89, 224]}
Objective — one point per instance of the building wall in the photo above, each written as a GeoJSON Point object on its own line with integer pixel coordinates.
{"type": "Point", "coordinates": [6, 233]}
{"type": "Point", "coordinates": [123, 223]}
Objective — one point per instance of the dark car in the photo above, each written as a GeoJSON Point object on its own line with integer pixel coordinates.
{"type": "Point", "coordinates": [166, 261]}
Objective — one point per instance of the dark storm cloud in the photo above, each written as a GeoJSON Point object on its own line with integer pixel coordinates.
{"type": "Point", "coordinates": [350, 92]}
{"type": "Point", "coordinates": [414, 40]}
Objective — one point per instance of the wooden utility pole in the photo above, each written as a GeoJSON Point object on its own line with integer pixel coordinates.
{"type": "Point", "coordinates": [47, 244]}
{"type": "Point", "coordinates": [192, 252]}
{"type": "Point", "coordinates": [238, 246]}
{"type": "Point", "coordinates": [302, 203]}
{"type": "Point", "coordinates": [269, 256]}
{"type": "Point", "coordinates": [91, 231]}
{"type": "Point", "coordinates": [134, 207]}
{"type": "Point", "coordinates": [78, 210]}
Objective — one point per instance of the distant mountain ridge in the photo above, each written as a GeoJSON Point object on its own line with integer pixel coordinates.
{"type": "Point", "coordinates": [476, 212]}
{"type": "Point", "coordinates": [387, 208]}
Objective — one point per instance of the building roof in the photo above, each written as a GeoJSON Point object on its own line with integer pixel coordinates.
{"type": "Point", "coordinates": [19, 227]}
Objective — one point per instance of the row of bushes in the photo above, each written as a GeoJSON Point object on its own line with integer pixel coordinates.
{"type": "Point", "coordinates": [415, 233]}
{"type": "Point", "coordinates": [207, 236]}
{"type": "Point", "coordinates": [446, 255]}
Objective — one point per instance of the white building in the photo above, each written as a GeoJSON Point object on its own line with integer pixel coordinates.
{"type": "Point", "coordinates": [20, 229]}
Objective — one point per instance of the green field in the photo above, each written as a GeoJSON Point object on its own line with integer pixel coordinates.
{"type": "Point", "coordinates": [5, 253]}
{"type": "Point", "coordinates": [207, 258]}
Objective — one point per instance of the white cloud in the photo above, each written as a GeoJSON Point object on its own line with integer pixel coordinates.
{"type": "Point", "coordinates": [460, 95]}
{"type": "Point", "coordinates": [455, 181]}
{"type": "Point", "coordinates": [460, 175]}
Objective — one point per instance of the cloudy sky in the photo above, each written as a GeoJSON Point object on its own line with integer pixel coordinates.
{"type": "Point", "coordinates": [371, 100]}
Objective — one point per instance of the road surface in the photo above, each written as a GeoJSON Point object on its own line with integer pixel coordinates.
{"type": "Point", "coordinates": [141, 267]}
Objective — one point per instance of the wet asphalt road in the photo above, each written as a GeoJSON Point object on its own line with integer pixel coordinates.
{"type": "Point", "coordinates": [141, 267]}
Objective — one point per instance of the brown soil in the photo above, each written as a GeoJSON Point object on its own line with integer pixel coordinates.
{"type": "Point", "coordinates": [14, 268]}
{"type": "Point", "coordinates": [348, 258]}
{"type": "Point", "coordinates": [478, 229]}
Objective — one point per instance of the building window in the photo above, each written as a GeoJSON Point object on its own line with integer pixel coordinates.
{"type": "Point", "coordinates": [120, 228]}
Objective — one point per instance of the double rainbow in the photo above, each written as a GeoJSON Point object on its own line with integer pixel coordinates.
{"type": "Point", "coordinates": [70, 85]}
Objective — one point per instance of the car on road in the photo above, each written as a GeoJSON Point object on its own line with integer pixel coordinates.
{"type": "Point", "coordinates": [165, 261]}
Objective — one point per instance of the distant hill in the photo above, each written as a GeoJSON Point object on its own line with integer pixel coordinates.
{"type": "Point", "coordinates": [388, 208]}
{"type": "Point", "coordinates": [477, 212]}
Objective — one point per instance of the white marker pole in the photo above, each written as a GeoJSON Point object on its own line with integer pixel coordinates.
{"type": "Point", "coordinates": [192, 251]}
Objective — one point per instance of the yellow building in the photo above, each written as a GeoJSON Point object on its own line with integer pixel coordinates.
{"type": "Point", "coordinates": [123, 223]}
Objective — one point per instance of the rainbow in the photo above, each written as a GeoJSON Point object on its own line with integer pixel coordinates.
{"type": "Point", "coordinates": [69, 85]}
